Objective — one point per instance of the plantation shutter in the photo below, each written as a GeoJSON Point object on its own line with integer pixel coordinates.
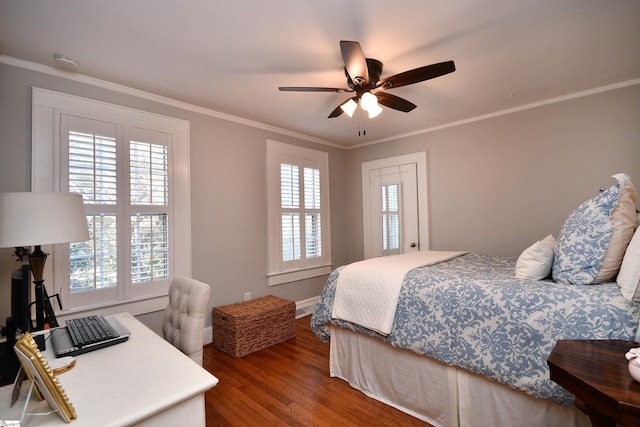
{"type": "Point", "coordinates": [92, 157]}
{"type": "Point", "coordinates": [123, 175]}
{"type": "Point", "coordinates": [299, 229]}
{"type": "Point", "coordinates": [149, 188]}
{"type": "Point", "coordinates": [313, 235]}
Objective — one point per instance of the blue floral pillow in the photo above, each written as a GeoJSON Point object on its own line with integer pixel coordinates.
{"type": "Point", "coordinates": [584, 238]}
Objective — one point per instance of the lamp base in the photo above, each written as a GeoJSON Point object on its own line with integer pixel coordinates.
{"type": "Point", "coordinates": [9, 364]}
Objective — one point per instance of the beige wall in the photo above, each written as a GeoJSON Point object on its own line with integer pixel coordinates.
{"type": "Point", "coordinates": [228, 190]}
{"type": "Point", "coordinates": [498, 185]}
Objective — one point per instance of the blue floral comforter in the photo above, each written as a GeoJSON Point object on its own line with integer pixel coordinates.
{"type": "Point", "coordinates": [473, 313]}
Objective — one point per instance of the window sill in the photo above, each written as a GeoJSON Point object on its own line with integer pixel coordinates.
{"type": "Point", "coordinates": [135, 307]}
{"type": "Point", "coordinates": [295, 275]}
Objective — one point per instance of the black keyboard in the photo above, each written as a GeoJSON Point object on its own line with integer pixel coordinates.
{"type": "Point", "coordinates": [89, 330]}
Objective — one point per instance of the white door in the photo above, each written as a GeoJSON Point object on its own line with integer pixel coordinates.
{"type": "Point", "coordinates": [393, 210]}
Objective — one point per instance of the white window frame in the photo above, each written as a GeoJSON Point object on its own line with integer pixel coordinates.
{"type": "Point", "coordinates": [287, 271]}
{"type": "Point", "coordinates": [47, 176]}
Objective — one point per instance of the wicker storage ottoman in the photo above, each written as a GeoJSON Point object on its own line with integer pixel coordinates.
{"type": "Point", "coordinates": [245, 327]}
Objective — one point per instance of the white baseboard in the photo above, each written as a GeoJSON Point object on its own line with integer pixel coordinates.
{"type": "Point", "coordinates": [208, 334]}
{"type": "Point", "coordinates": [303, 308]}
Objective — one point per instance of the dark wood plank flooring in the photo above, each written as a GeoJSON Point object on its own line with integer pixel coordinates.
{"type": "Point", "coordinates": [288, 384]}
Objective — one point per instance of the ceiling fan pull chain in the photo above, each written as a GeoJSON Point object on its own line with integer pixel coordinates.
{"type": "Point", "coordinates": [364, 124]}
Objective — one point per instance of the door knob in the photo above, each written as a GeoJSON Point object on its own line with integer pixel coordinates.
{"type": "Point", "coordinates": [413, 245]}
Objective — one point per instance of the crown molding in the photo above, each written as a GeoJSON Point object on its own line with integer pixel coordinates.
{"type": "Point", "coordinates": [235, 119]}
{"type": "Point", "coordinates": [524, 107]}
{"type": "Point", "coordinates": [126, 90]}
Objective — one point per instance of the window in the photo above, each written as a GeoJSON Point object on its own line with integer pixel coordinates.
{"type": "Point", "coordinates": [390, 217]}
{"type": "Point", "coordinates": [299, 240]}
{"type": "Point", "coordinates": [126, 164]}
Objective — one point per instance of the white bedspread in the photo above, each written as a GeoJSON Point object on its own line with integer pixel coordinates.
{"type": "Point", "coordinates": [367, 291]}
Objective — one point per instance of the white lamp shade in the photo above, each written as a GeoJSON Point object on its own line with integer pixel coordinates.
{"type": "Point", "coordinates": [30, 219]}
{"type": "Point", "coordinates": [374, 110]}
{"type": "Point", "coordinates": [368, 101]}
{"type": "Point", "coordinates": [349, 107]}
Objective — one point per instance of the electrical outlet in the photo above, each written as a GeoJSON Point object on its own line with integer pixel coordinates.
{"type": "Point", "coordinates": [247, 296]}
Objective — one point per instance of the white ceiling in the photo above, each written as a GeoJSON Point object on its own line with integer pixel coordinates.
{"type": "Point", "coordinates": [231, 56]}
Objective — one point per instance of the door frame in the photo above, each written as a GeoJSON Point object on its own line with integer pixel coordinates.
{"type": "Point", "coordinates": [420, 159]}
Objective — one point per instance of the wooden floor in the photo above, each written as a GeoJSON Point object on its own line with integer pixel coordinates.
{"type": "Point", "coordinates": [288, 384]}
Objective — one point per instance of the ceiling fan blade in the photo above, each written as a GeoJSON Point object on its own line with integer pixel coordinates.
{"type": "Point", "coordinates": [336, 112]}
{"type": "Point", "coordinates": [395, 102]}
{"type": "Point", "coordinates": [312, 89]}
{"type": "Point", "coordinates": [418, 75]}
{"type": "Point", "coordinates": [354, 62]}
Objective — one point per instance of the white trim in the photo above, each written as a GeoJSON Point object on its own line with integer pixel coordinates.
{"type": "Point", "coordinates": [47, 107]}
{"type": "Point", "coordinates": [45, 69]}
{"type": "Point", "coordinates": [292, 276]}
{"type": "Point", "coordinates": [208, 335]}
{"type": "Point", "coordinates": [279, 271]}
{"type": "Point", "coordinates": [136, 308]}
{"type": "Point", "coordinates": [306, 307]}
{"type": "Point", "coordinates": [505, 112]}
{"type": "Point", "coordinates": [420, 159]}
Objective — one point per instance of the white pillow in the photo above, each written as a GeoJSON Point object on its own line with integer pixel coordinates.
{"type": "Point", "coordinates": [536, 261]}
{"type": "Point", "coordinates": [629, 275]}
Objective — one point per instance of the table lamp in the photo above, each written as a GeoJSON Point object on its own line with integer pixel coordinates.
{"type": "Point", "coordinates": [35, 219]}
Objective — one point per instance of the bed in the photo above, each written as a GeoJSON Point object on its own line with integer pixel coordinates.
{"type": "Point", "coordinates": [468, 339]}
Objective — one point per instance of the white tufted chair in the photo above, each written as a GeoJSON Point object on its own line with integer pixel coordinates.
{"type": "Point", "coordinates": [183, 324]}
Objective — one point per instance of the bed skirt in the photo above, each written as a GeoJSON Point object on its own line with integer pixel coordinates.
{"type": "Point", "coordinates": [441, 395]}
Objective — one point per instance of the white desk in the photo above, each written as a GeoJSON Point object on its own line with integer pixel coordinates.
{"type": "Point", "coordinates": [143, 381]}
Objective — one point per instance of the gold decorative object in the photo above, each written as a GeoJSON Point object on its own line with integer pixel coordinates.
{"type": "Point", "coordinates": [38, 370]}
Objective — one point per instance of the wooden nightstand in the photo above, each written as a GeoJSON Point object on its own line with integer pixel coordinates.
{"type": "Point", "coordinates": [596, 372]}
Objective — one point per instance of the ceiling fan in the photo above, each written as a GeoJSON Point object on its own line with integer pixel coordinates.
{"type": "Point", "coordinates": [363, 77]}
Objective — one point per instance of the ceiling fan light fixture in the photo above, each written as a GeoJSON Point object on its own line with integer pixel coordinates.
{"type": "Point", "coordinates": [363, 76]}
{"type": "Point", "coordinates": [374, 110]}
{"type": "Point", "coordinates": [368, 101]}
{"type": "Point", "coordinates": [349, 107]}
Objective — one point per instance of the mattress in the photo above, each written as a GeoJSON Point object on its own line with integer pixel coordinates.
{"type": "Point", "coordinates": [471, 312]}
